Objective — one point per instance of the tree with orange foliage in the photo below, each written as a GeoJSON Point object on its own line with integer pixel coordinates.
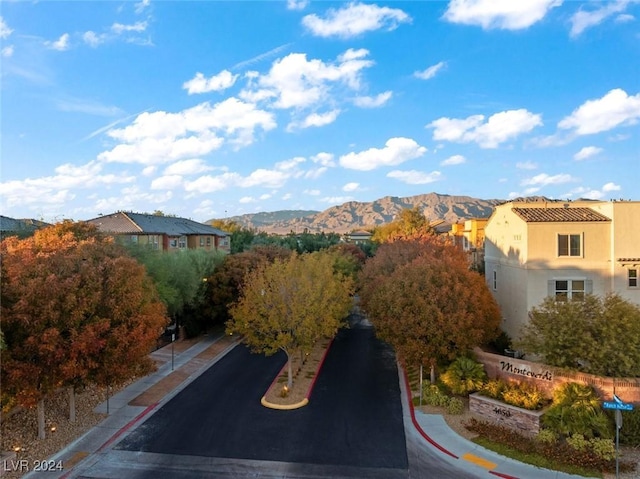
{"type": "Point", "coordinates": [409, 224]}
{"type": "Point", "coordinates": [75, 310]}
{"type": "Point", "coordinates": [423, 300]}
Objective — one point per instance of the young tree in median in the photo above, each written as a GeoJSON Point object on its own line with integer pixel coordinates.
{"type": "Point", "coordinates": [290, 304]}
{"type": "Point", "coordinates": [599, 335]}
{"type": "Point", "coordinates": [72, 299]}
{"type": "Point", "coordinates": [430, 308]}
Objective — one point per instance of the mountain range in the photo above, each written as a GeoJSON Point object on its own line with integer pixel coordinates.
{"type": "Point", "coordinates": [364, 215]}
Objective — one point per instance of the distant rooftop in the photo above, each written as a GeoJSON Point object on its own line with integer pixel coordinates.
{"type": "Point", "coordinates": [558, 215]}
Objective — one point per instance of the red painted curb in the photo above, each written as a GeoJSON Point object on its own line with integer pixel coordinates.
{"type": "Point", "coordinates": [505, 476]}
{"type": "Point", "coordinates": [415, 422]}
{"type": "Point", "coordinates": [126, 427]}
{"type": "Point", "coordinates": [313, 382]}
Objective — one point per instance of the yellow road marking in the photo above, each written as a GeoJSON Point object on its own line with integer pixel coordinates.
{"type": "Point", "coordinates": [479, 461]}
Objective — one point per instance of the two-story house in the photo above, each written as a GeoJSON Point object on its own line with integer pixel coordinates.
{"type": "Point", "coordinates": [560, 249]}
{"type": "Point", "coordinates": [164, 233]}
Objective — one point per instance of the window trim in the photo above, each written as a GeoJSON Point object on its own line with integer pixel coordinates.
{"type": "Point", "coordinates": [568, 245]}
{"type": "Point", "coordinates": [634, 278]}
{"type": "Point", "coordinates": [553, 290]}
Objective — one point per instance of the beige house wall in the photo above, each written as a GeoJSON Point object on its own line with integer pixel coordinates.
{"type": "Point", "coordinates": [525, 259]}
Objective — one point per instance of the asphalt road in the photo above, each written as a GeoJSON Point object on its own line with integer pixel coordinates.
{"type": "Point", "coordinates": [354, 417]}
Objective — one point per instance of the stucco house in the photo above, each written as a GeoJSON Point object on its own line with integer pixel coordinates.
{"type": "Point", "coordinates": [561, 249]}
{"type": "Point", "coordinates": [164, 233]}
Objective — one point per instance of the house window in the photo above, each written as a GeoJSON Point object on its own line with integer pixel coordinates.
{"type": "Point", "coordinates": [495, 280]}
{"type": "Point", "coordinates": [566, 289]}
{"type": "Point", "coordinates": [154, 241]}
{"type": "Point", "coordinates": [134, 239]}
{"type": "Point", "coordinates": [632, 277]}
{"type": "Point", "coordinates": [208, 240]}
{"type": "Point", "coordinates": [173, 243]}
{"type": "Point", "coordinates": [201, 241]}
{"type": "Point", "coordinates": [182, 242]}
{"type": "Point", "coordinates": [569, 245]}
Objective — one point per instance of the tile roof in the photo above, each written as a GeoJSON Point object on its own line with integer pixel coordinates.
{"type": "Point", "coordinates": [559, 215]}
{"type": "Point", "coordinates": [136, 223]}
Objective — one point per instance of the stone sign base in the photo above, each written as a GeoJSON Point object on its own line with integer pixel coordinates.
{"type": "Point", "coordinates": [522, 420]}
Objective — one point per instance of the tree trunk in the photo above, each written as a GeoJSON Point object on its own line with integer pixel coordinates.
{"type": "Point", "coordinates": [433, 373]}
{"type": "Point", "coordinates": [41, 432]}
{"type": "Point", "coordinates": [289, 373]}
{"type": "Point", "coordinates": [421, 385]}
{"type": "Point", "coordinates": [72, 404]}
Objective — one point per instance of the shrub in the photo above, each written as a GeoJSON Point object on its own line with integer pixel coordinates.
{"type": "Point", "coordinates": [578, 442]}
{"type": "Point", "coordinates": [576, 410]}
{"type": "Point", "coordinates": [500, 343]}
{"type": "Point", "coordinates": [455, 406]}
{"type": "Point", "coordinates": [493, 388]}
{"type": "Point", "coordinates": [464, 376]}
{"type": "Point", "coordinates": [630, 433]}
{"type": "Point", "coordinates": [546, 436]}
{"type": "Point", "coordinates": [603, 448]}
{"type": "Point", "coordinates": [595, 455]}
{"type": "Point", "coordinates": [523, 395]}
{"type": "Point", "coordinates": [433, 395]}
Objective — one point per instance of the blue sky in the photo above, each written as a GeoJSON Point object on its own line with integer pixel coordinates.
{"type": "Point", "coordinates": [211, 109]}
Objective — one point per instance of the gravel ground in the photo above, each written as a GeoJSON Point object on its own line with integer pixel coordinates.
{"type": "Point", "coordinates": [456, 422]}
{"type": "Point", "coordinates": [20, 429]}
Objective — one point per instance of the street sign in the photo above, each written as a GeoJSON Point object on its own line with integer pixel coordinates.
{"type": "Point", "coordinates": [617, 404]}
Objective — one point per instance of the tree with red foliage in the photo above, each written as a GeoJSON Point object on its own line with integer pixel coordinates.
{"type": "Point", "coordinates": [75, 310]}
{"type": "Point", "coordinates": [423, 299]}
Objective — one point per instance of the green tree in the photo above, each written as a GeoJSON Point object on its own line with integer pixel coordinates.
{"type": "Point", "coordinates": [289, 304]}
{"type": "Point", "coordinates": [599, 335]}
{"type": "Point", "coordinates": [241, 237]}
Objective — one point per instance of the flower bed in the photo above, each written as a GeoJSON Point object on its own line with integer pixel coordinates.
{"type": "Point", "coordinates": [516, 418]}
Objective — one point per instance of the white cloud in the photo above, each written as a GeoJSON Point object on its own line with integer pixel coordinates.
{"type": "Point", "coordinates": [290, 165]}
{"type": "Point", "coordinates": [141, 6]}
{"type": "Point", "coordinates": [324, 159]}
{"type": "Point", "coordinates": [315, 119]}
{"type": "Point", "coordinates": [161, 137]}
{"type": "Point", "coordinates": [616, 108]}
{"type": "Point", "coordinates": [92, 39]}
{"type": "Point", "coordinates": [187, 167]}
{"type": "Point", "coordinates": [582, 19]}
{"type": "Point", "coordinates": [297, 4]}
{"type": "Point", "coordinates": [526, 165]}
{"type": "Point", "coordinates": [453, 160]}
{"type": "Point", "coordinates": [260, 57]}
{"type": "Point", "coordinates": [587, 152]}
{"type": "Point", "coordinates": [167, 182]}
{"type": "Point", "coordinates": [372, 102]}
{"type": "Point", "coordinates": [247, 199]}
{"type": "Point", "coordinates": [61, 44]}
{"type": "Point", "coordinates": [501, 14]}
{"type": "Point", "coordinates": [295, 82]}
{"type": "Point", "coordinates": [351, 187]}
{"type": "Point", "coordinates": [315, 173]}
{"type": "Point", "coordinates": [5, 31]}
{"type": "Point", "coordinates": [7, 51]}
{"type": "Point", "coordinates": [624, 18]}
{"type": "Point", "coordinates": [286, 196]}
{"type": "Point", "coordinates": [83, 105]}
{"type": "Point", "coordinates": [312, 192]}
{"type": "Point", "coordinates": [58, 189]}
{"type": "Point", "coordinates": [611, 187]}
{"type": "Point", "coordinates": [395, 152]}
{"type": "Point", "coordinates": [336, 200]}
{"type": "Point", "coordinates": [219, 82]}
{"type": "Point", "coordinates": [265, 196]}
{"type": "Point", "coordinates": [354, 19]}
{"type": "Point", "coordinates": [413, 177]}
{"type": "Point", "coordinates": [211, 184]}
{"type": "Point", "coordinates": [544, 179]}
{"type": "Point", "coordinates": [119, 28]}
{"type": "Point", "coordinates": [498, 128]}
{"type": "Point", "coordinates": [430, 72]}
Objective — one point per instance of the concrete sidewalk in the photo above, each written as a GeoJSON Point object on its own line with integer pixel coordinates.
{"type": "Point", "coordinates": [131, 405]}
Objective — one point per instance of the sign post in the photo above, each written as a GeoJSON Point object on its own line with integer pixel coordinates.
{"type": "Point", "coordinates": [618, 405]}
